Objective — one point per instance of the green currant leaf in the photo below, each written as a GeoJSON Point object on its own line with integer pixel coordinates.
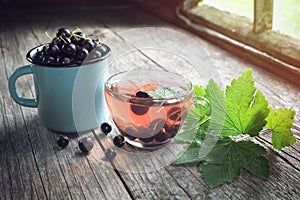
{"type": "Point", "coordinates": [166, 92]}
{"type": "Point", "coordinates": [226, 159]}
{"type": "Point", "coordinates": [189, 155]}
{"type": "Point", "coordinates": [246, 107]}
{"type": "Point", "coordinates": [217, 174]}
{"type": "Point", "coordinates": [244, 110]}
{"type": "Point", "coordinates": [215, 116]}
{"type": "Point", "coordinates": [198, 115]}
{"type": "Point", "coordinates": [191, 125]}
{"type": "Point", "coordinates": [199, 91]}
{"type": "Point", "coordinates": [216, 99]}
{"type": "Point", "coordinates": [281, 122]}
{"type": "Point", "coordinates": [187, 135]}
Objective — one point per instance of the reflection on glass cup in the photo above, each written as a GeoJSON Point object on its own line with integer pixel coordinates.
{"type": "Point", "coordinates": [148, 107]}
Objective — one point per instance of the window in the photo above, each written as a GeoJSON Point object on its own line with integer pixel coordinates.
{"type": "Point", "coordinates": [286, 17]}
{"type": "Point", "coordinates": [240, 7]}
{"type": "Point", "coordinates": [269, 27]}
{"type": "Point", "coordinates": [286, 13]}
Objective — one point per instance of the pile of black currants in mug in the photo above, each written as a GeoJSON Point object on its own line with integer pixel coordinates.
{"type": "Point", "coordinates": [69, 48]}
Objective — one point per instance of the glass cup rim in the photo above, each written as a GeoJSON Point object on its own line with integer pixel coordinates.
{"type": "Point", "coordinates": [142, 100]}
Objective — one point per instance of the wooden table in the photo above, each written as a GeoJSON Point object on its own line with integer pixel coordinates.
{"type": "Point", "coordinates": [34, 167]}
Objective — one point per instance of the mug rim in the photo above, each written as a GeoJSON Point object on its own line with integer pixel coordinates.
{"type": "Point", "coordinates": [30, 53]}
{"type": "Point", "coordinates": [150, 100]}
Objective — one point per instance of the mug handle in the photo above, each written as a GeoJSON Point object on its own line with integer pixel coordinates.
{"type": "Point", "coordinates": [27, 69]}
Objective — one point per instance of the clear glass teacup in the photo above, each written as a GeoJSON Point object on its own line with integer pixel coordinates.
{"type": "Point", "coordinates": [148, 107]}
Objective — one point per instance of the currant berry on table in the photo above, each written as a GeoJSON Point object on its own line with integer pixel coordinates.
{"type": "Point", "coordinates": [106, 128]}
{"type": "Point", "coordinates": [119, 140]}
{"type": "Point", "coordinates": [85, 144]}
{"type": "Point", "coordinates": [62, 141]}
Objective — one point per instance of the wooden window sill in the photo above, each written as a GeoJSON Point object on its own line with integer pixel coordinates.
{"type": "Point", "coordinates": [271, 50]}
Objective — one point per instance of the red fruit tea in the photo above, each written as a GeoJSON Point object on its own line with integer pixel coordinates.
{"type": "Point", "coordinates": [148, 121]}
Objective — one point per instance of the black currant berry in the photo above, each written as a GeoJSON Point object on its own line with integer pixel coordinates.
{"type": "Point", "coordinates": [129, 133]}
{"type": "Point", "coordinates": [39, 57]}
{"type": "Point", "coordinates": [81, 53]}
{"type": "Point", "coordinates": [62, 141]}
{"type": "Point", "coordinates": [172, 130]}
{"type": "Point", "coordinates": [139, 109]}
{"type": "Point", "coordinates": [59, 41]}
{"type": "Point", "coordinates": [147, 139]}
{"type": "Point", "coordinates": [45, 48]}
{"type": "Point", "coordinates": [174, 113]}
{"type": "Point", "coordinates": [75, 40]}
{"type": "Point", "coordinates": [63, 60]}
{"type": "Point", "coordinates": [49, 59]}
{"type": "Point", "coordinates": [80, 34]}
{"type": "Point", "coordinates": [65, 40]}
{"type": "Point", "coordinates": [157, 124]}
{"type": "Point", "coordinates": [106, 128]}
{"type": "Point", "coordinates": [110, 154]}
{"type": "Point", "coordinates": [56, 40]}
{"type": "Point", "coordinates": [69, 49]}
{"type": "Point", "coordinates": [88, 44]}
{"type": "Point", "coordinates": [85, 144]}
{"type": "Point", "coordinates": [63, 32]}
{"type": "Point", "coordinates": [161, 136]}
{"type": "Point", "coordinates": [54, 50]}
{"type": "Point", "coordinates": [119, 140]}
{"type": "Point", "coordinates": [142, 94]}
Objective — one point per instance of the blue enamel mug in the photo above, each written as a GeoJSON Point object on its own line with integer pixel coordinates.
{"type": "Point", "coordinates": [69, 98]}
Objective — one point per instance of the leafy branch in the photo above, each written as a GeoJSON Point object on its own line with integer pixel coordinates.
{"type": "Point", "coordinates": [217, 118]}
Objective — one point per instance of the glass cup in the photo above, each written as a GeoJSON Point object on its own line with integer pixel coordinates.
{"type": "Point", "coordinates": [148, 107]}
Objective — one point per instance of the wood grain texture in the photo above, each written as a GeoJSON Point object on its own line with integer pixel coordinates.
{"type": "Point", "coordinates": [228, 68]}
{"type": "Point", "coordinates": [276, 52]}
{"type": "Point", "coordinates": [280, 46]}
{"type": "Point", "coordinates": [103, 175]}
{"type": "Point", "coordinates": [34, 167]}
{"type": "Point", "coordinates": [64, 174]}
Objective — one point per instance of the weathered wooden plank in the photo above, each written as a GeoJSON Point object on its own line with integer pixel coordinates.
{"type": "Point", "coordinates": [251, 187]}
{"type": "Point", "coordinates": [289, 154]}
{"type": "Point", "coordinates": [48, 163]}
{"type": "Point", "coordinates": [169, 47]}
{"type": "Point", "coordinates": [136, 174]}
{"type": "Point", "coordinates": [278, 91]}
{"type": "Point", "coordinates": [281, 58]}
{"type": "Point", "coordinates": [222, 65]}
{"type": "Point", "coordinates": [229, 67]}
{"type": "Point", "coordinates": [129, 168]}
{"type": "Point", "coordinates": [17, 156]}
{"type": "Point", "coordinates": [282, 184]}
{"type": "Point", "coordinates": [85, 174]}
{"type": "Point", "coordinates": [39, 143]}
{"type": "Point", "coordinates": [91, 177]}
{"type": "Point", "coordinates": [144, 175]}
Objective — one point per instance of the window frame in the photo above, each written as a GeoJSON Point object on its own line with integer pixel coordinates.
{"type": "Point", "coordinates": [280, 53]}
